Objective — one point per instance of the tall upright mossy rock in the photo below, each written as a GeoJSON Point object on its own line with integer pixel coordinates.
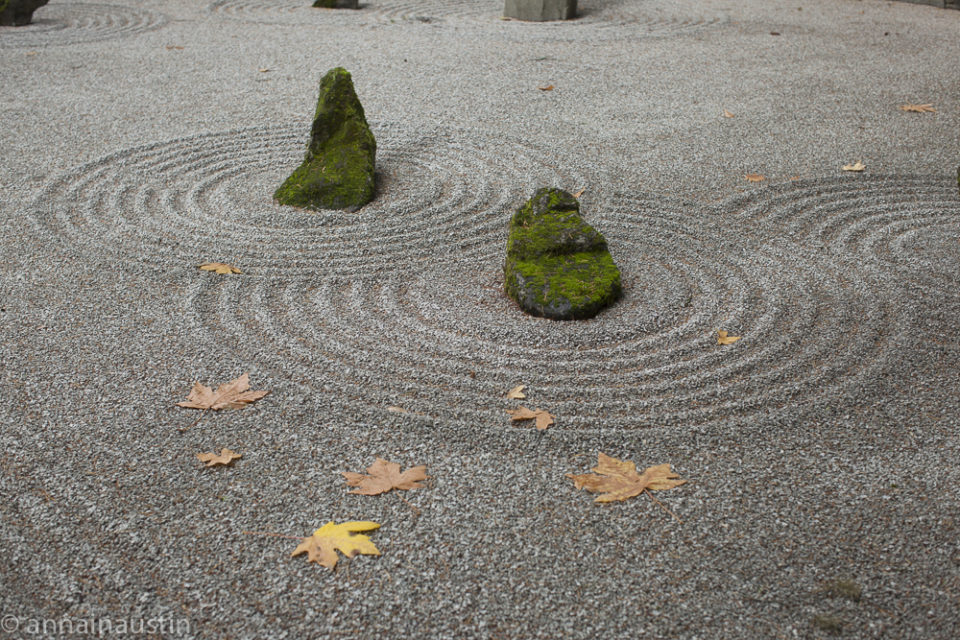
{"type": "Point", "coordinates": [338, 171]}
{"type": "Point", "coordinates": [17, 13]}
{"type": "Point", "coordinates": [557, 265]}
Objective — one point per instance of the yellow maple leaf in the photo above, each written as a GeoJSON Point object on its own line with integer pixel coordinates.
{"type": "Point", "coordinates": [918, 108]}
{"type": "Point", "coordinates": [754, 177]}
{"type": "Point", "coordinates": [226, 457]}
{"type": "Point", "coordinates": [323, 545]}
{"type": "Point", "coordinates": [218, 267]}
{"type": "Point", "coordinates": [517, 393]}
{"type": "Point", "coordinates": [723, 338]}
{"type": "Point", "coordinates": [618, 480]}
{"type": "Point", "coordinates": [543, 418]}
{"type": "Point", "coordinates": [385, 476]}
{"type": "Point", "coordinates": [856, 166]}
{"type": "Point", "coordinates": [235, 394]}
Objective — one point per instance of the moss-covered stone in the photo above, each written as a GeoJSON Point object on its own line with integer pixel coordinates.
{"type": "Point", "coordinates": [338, 171]}
{"type": "Point", "coordinates": [17, 13]}
{"type": "Point", "coordinates": [336, 4]}
{"type": "Point", "coordinates": [557, 265]}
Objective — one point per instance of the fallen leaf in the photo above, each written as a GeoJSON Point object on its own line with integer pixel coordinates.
{"type": "Point", "coordinates": [727, 114]}
{"type": "Point", "coordinates": [543, 418]}
{"type": "Point", "coordinates": [323, 545]}
{"type": "Point", "coordinates": [226, 457]}
{"type": "Point", "coordinates": [218, 267]}
{"type": "Point", "coordinates": [918, 108]}
{"type": "Point", "coordinates": [774, 33]}
{"type": "Point", "coordinates": [385, 476]}
{"type": "Point", "coordinates": [723, 338]}
{"type": "Point", "coordinates": [171, 47]}
{"type": "Point", "coordinates": [32, 53]}
{"type": "Point", "coordinates": [579, 193]}
{"type": "Point", "coordinates": [235, 394]}
{"type": "Point", "coordinates": [397, 410]}
{"type": "Point", "coordinates": [618, 480]}
{"type": "Point", "coordinates": [754, 177]}
{"type": "Point", "coordinates": [517, 393]}
{"type": "Point", "coordinates": [546, 88]}
{"type": "Point", "coordinates": [794, 178]}
{"type": "Point", "coordinates": [264, 70]}
{"type": "Point", "coordinates": [857, 166]}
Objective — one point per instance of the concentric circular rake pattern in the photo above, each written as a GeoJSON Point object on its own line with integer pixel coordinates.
{"type": "Point", "coordinates": [442, 340]}
{"type": "Point", "coordinates": [440, 198]}
{"type": "Point", "coordinates": [905, 227]}
{"type": "Point", "coordinates": [76, 22]}
{"type": "Point", "coordinates": [634, 17]}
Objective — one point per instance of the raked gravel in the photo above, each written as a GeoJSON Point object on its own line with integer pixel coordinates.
{"type": "Point", "coordinates": [143, 138]}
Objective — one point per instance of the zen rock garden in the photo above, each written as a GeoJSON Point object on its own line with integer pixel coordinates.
{"type": "Point", "coordinates": [557, 265]}
{"type": "Point", "coordinates": [17, 13]}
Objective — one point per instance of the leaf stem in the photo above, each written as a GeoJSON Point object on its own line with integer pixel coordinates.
{"type": "Point", "coordinates": [662, 506]}
{"type": "Point", "coordinates": [192, 424]}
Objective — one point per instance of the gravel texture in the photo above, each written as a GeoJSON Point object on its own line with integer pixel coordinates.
{"type": "Point", "coordinates": [142, 139]}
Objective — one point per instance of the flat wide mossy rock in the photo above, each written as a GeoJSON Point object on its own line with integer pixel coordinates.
{"type": "Point", "coordinates": [337, 4]}
{"type": "Point", "coordinates": [17, 13]}
{"type": "Point", "coordinates": [338, 171]}
{"type": "Point", "coordinates": [558, 266]}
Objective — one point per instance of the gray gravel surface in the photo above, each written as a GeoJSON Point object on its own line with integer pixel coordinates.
{"type": "Point", "coordinates": [142, 139]}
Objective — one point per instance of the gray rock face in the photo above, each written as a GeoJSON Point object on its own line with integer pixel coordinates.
{"type": "Point", "coordinates": [16, 13]}
{"type": "Point", "coordinates": [540, 10]}
{"type": "Point", "coordinates": [557, 265]}
{"type": "Point", "coordinates": [337, 4]}
{"type": "Point", "coordinates": [338, 171]}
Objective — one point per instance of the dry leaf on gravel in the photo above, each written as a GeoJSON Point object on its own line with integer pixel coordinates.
{"type": "Point", "coordinates": [323, 545]}
{"type": "Point", "coordinates": [547, 88]}
{"type": "Point", "coordinates": [618, 480]}
{"type": "Point", "coordinates": [225, 458]}
{"type": "Point", "coordinates": [517, 393]}
{"type": "Point", "coordinates": [918, 108]}
{"type": "Point", "coordinates": [385, 476]}
{"type": "Point", "coordinates": [394, 409]}
{"type": "Point", "coordinates": [727, 114]}
{"type": "Point", "coordinates": [580, 193]}
{"type": "Point", "coordinates": [235, 394]}
{"type": "Point", "coordinates": [218, 267]}
{"type": "Point", "coordinates": [723, 338]}
{"type": "Point", "coordinates": [543, 418]}
{"type": "Point", "coordinates": [754, 177]}
{"type": "Point", "coordinates": [856, 166]}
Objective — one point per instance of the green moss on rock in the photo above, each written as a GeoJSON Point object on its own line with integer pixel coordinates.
{"type": "Point", "coordinates": [338, 170]}
{"type": "Point", "coordinates": [17, 13]}
{"type": "Point", "coordinates": [557, 265]}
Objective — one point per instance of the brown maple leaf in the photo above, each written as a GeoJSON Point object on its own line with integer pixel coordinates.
{"type": "Point", "coordinates": [618, 479]}
{"type": "Point", "coordinates": [546, 88]}
{"type": "Point", "coordinates": [724, 338]}
{"type": "Point", "coordinates": [322, 546]}
{"type": "Point", "coordinates": [754, 177]}
{"type": "Point", "coordinates": [727, 114]}
{"type": "Point", "coordinates": [543, 418]}
{"type": "Point", "coordinates": [218, 267]}
{"type": "Point", "coordinates": [856, 166]}
{"type": "Point", "coordinates": [385, 476]}
{"type": "Point", "coordinates": [517, 393]}
{"type": "Point", "coordinates": [226, 457]}
{"type": "Point", "coordinates": [235, 394]}
{"type": "Point", "coordinates": [918, 108]}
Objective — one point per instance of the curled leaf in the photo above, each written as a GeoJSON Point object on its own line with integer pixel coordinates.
{"type": "Point", "coordinates": [517, 393]}
{"type": "Point", "coordinates": [225, 458]}
{"type": "Point", "coordinates": [723, 338]}
{"type": "Point", "coordinates": [856, 166]}
{"type": "Point", "coordinates": [218, 267]}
